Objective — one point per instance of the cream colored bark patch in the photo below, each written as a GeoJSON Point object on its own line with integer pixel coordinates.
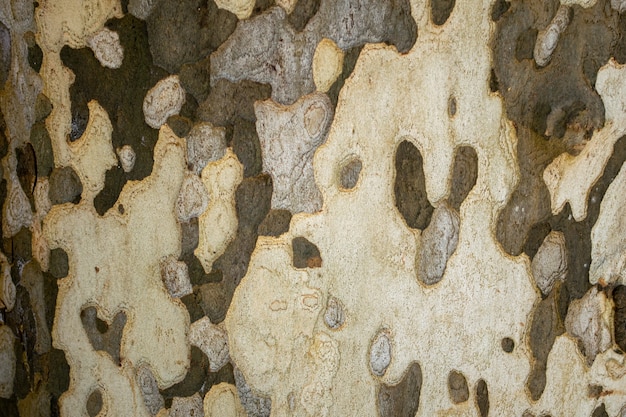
{"type": "Point", "coordinates": [222, 401]}
{"type": "Point", "coordinates": [321, 341]}
{"type": "Point", "coordinates": [608, 236]}
{"type": "Point", "coordinates": [114, 260]}
{"type": "Point", "coordinates": [287, 5]}
{"type": "Point", "coordinates": [569, 380]}
{"type": "Point", "coordinates": [72, 22]}
{"type": "Point", "coordinates": [327, 64]}
{"type": "Point", "coordinates": [114, 266]}
{"type": "Point", "coordinates": [570, 178]}
{"type": "Point", "coordinates": [92, 154]}
{"type": "Point", "coordinates": [369, 253]}
{"type": "Point", "coordinates": [240, 8]}
{"type": "Point", "coordinates": [218, 223]}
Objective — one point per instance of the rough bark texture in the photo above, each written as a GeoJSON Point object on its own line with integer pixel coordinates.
{"type": "Point", "coordinates": [313, 207]}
